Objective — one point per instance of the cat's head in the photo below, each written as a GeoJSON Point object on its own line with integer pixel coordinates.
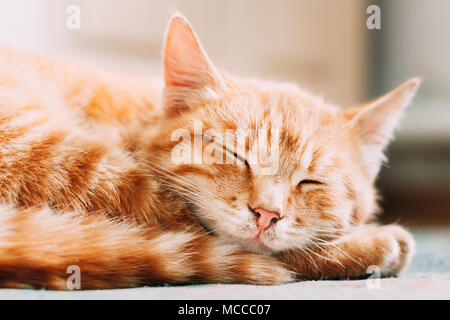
{"type": "Point", "coordinates": [319, 176]}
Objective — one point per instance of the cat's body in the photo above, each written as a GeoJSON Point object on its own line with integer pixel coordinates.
{"type": "Point", "coordinates": [88, 179]}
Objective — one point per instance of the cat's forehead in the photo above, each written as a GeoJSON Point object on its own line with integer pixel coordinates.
{"type": "Point", "coordinates": [284, 106]}
{"type": "Point", "coordinates": [307, 126]}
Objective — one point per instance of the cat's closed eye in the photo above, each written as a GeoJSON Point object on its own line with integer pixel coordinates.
{"type": "Point", "coordinates": [310, 182]}
{"type": "Point", "coordinates": [236, 155]}
{"type": "Point", "coordinates": [240, 158]}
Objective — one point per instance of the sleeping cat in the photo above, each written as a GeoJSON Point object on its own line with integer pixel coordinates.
{"type": "Point", "coordinates": [88, 177]}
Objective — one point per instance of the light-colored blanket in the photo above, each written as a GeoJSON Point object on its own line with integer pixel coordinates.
{"type": "Point", "coordinates": [427, 278]}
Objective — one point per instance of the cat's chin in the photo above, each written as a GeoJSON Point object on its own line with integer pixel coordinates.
{"type": "Point", "coordinates": [256, 245]}
{"type": "Point", "coordinates": [253, 244]}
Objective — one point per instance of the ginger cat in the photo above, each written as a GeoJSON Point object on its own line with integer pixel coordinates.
{"type": "Point", "coordinates": [88, 177]}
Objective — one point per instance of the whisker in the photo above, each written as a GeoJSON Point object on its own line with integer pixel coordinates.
{"type": "Point", "coordinates": [309, 257]}
{"type": "Point", "coordinates": [337, 248]}
{"type": "Point", "coordinates": [325, 258]}
{"type": "Point", "coordinates": [182, 180]}
{"type": "Point", "coordinates": [326, 252]}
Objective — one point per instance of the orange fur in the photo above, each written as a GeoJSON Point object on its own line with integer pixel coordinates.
{"type": "Point", "coordinates": [88, 179]}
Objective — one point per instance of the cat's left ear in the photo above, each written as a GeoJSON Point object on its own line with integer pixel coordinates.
{"type": "Point", "coordinates": [375, 122]}
{"type": "Point", "coordinates": [187, 68]}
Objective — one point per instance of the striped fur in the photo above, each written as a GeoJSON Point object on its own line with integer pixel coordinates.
{"type": "Point", "coordinates": [37, 247]}
{"type": "Point", "coordinates": [87, 178]}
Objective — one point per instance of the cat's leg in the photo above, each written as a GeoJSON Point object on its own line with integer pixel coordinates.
{"type": "Point", "coordinates": [39, 247]}
{"type": "Point", "coordinates": [387, 249]}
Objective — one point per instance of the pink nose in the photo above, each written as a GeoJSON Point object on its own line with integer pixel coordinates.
{"type": "Point", "coordinates": [265, 218]}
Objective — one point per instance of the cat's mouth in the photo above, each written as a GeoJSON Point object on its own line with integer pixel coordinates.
{"type": "Point", "coordinates": [256, 244]}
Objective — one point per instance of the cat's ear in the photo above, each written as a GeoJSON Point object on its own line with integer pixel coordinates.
{"type": "Point", "coordinates": [187, 67]}
{"type": "Point", "coordinates": [374, 123]}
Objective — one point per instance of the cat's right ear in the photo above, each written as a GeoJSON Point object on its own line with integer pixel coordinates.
{"type": "Point", "coordinates": [187, 68]}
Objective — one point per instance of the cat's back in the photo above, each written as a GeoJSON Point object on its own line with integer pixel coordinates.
{"type": "Point", "coordinates": [41, 98]}
{"type": "Point", "coordinates": [64, 127]}
{"type": "Point", "coordinates": [41, 83]}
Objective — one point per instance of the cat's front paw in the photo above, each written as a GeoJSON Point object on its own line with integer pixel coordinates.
{"type": "Point", "coordinates": [396, 248]}
{"type": "Point", "coordinates": [264, 270]}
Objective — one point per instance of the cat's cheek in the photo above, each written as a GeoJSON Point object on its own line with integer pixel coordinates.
{"type": "Point", "coordinates": [239, 224]}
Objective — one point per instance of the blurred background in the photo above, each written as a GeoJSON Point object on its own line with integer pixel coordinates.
{"type": "Point", "coordinates": [323, 45]}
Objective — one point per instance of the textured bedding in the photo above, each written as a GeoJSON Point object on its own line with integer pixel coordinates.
{"type": "Point", "coordinates": [427, 278]}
